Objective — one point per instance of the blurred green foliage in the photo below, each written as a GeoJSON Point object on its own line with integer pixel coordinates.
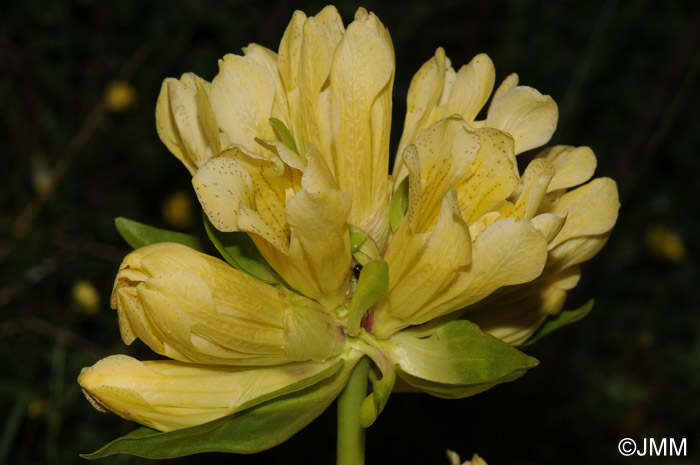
{"type": "Point", "coordinates": [625, 76]}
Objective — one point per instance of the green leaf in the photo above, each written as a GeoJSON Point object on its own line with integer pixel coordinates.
{"type": "Point", "coordinates": [239, 250]}
{"type": "Point", "coordinates": [253, 430]}
{"type": "Point", "coordinates": [399, 205]}
{"type": "Point", "coordinates": [284, 134]}
{"type": "Point", "coordinates": [458, 360]}
{"type": "Point", "coordinates": [139, 235]}
{"type": "Point", "coordinates": [559, 321]}
{"type": "Point", "coordinates": [371, 286]}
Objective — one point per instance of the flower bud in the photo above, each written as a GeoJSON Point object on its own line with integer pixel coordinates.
{"type": "Point", "coordinates": [168, 395]}
{"type": "Point", "coordinates": [195, 308]}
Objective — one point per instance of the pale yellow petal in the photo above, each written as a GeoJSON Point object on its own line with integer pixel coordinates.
{"type": "Point", "coordinates": [421, 266]}
{"type": "Point", "coordinates": [510, 82]}
{"type": "Point", "coordinates": [207, 121]}
{"type": "Point", "coordinates": [423, 95]}
{"type": "Point", "coordinates": [476, 460]}
{"type": "Point", "coordinates": [319, 257]}
{"type": "Point", "coordinates": [288, 156]}
{"type": "Point", "coordinates": [361, 69]}
{"type": "Point", "coordinates": [167, 125]}
{"type": "Point", "coordinates": [573, 165]}
{"type": "Point", "coordinates": [516, 315]}
{"type": "Point", "coordinates": [492, 177]}
{"type": "Point", "coordinates": [331, 21]}
{"type": "Point", "coordinates": [240, 192]}
{"type": "Point", "coordinates": [438, 162]}
{"type": "Point", "coordinates": [185, 120]}
{"type": "Point", "coordinates": [168, 395]}
{"type": "Point", "coordinates": [508, 252]}
{"type": "Point", "coordinates": [317, 260]}
{"type": "Point", "coordinates": [321, 35]}
{"type": "Point", "coordinates": [289, 51]}
{"type": "Point", "coordinates": [222, 187]}
{"type": "Point", "coordinates": [193, 307]}
{"type": "Point", "coordinates": [317, 174]}
{"type": "Point", "coordinates": [242, 96]}
{"type": "Point", "coordinates": [198, 327]}
{"type": "Point", "coordinates": [472, 87]}
{"type": "Point", "coordinates": [575, 251]}
{"type": "Point", "coordinates": [527, 115]}
{"type": "Point", "coordinates": [268, 59]}
{"type": "Point", "coordinates": [537, 177]}
{"type": "Point", "coordinates": [549, 224]}
{"type": "Point", "coordinates": [133, 323]}
{"type": "Point", "coordinates": [482, 223]}
{"type": "Point", "coordinates": [590, 209]}
{"type": "Point", "coordinates": [271, 178]}
{"type": "Point", "coordinates": [376, 224]}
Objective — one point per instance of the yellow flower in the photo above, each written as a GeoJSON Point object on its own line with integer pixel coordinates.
{"type": "Point", "coordinates": [87, 297]}
{"type": "Point", "coordinates": [168, 395]}
{"type": "Point", "coordinates": [120, 96]}
{"type": "Point", "coordinates": [177, 210]}
{"type": "Point", "coordinates": [665, 243]}
{"type": "Point", "coordinates": [292, 149]}
{"type": "Point", "coordinates": [455, 460]}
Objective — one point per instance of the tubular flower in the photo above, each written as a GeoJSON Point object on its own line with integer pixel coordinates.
{"type": "Point", "coordinates": [433, 271]}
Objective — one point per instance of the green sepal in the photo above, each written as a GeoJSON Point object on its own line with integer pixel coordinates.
{"type": "Point", "coordinates": [559, 321]}
{"type": "Point", "coordinates": [258, 428]}
{"type": "Point", "coordinates": [239, 250]}
{"type": "Point", "coordinates": [140, 235]}
{"type": "Point", "coordinates": [399, 205]}
{"type": "Point", "coordinates": [284, 134]}
{"type": "Point", "coordinates": [374, 403]}
{"type": "Point", "coordinates": [457, 360]}
{"type": "Point", "coordinates": [371, 286]}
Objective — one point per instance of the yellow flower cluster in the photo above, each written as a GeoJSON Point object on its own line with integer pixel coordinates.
{"type": "Point", "coordinates": [292, 148]}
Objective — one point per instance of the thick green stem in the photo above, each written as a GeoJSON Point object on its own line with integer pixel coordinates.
{"type": "Point", "coordinates": [351, 435]}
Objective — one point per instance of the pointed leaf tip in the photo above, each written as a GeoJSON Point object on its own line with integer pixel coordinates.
{"type": "Point", "coordinates": [564, 318]}
{"type": "Point", "coordinates": [140, 235]}
{"type": "Point", "coordinates": [284, 133]}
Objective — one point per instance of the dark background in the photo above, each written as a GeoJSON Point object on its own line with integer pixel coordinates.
{"type": "Point", "coordinates": [624, 74]}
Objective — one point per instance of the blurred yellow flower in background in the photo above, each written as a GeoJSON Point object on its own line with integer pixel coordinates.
{"type": "Point", "coordinates": [177, 210]}
{"type": "Point", "coordinates": [86, 297]}
{"type": "Point", "coordinates": [665, 244]}
{"type": "Point", "coordinates": [119, 96]}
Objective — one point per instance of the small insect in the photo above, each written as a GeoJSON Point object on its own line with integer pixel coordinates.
{"type": "Point", "coordinates": [356, 270]}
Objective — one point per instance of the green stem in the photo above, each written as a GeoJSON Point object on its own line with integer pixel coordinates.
{"type": "Point", "coordinates": [351, 435]}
